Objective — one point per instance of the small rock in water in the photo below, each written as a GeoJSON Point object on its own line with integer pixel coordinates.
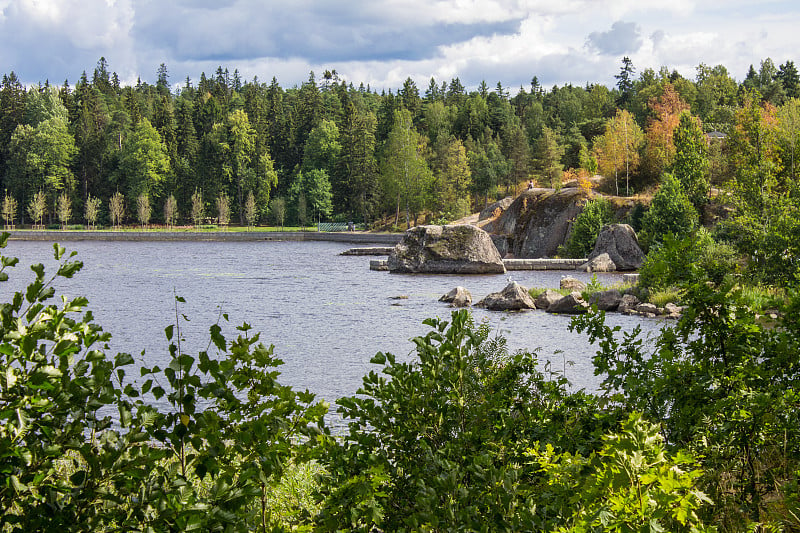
{"type": "Point", "coordinates": [572, 284]}
{"type": "Point", "coordinates": [514, 297]}
{"type": "Point", "coordinates": [458, 297]}
{"type": "Point", "coordinates": [572, 304]}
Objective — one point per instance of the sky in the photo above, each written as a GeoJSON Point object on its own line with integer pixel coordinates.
{"type": "Point", "coordinates": [383, 42]}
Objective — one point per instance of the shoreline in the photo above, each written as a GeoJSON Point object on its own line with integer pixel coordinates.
{"type": "Point", "coordinates": [211, 236]}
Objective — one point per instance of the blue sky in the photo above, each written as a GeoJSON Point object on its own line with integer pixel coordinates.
{"type": "Point", "coordinates": [382, 42]}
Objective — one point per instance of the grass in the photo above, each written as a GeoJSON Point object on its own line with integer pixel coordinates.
{"type": "Point", "coordinates": [762, 298]}
{"type": "Point", "coordinates": [663, 297]}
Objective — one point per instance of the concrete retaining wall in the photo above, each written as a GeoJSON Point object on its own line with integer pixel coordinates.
{"type": "Point", "coordinates": [346, 237]}
{"type": "Point", "coordinates": [372, 250]}
{"type": "Point", "coordinates": [511, 264]}
{"type": "Point", "coordinates": [543, 264]}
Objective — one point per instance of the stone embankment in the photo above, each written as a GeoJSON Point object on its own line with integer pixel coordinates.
{"type": "Point", "coordinates": [370, 250]}
{"type": "Point", "coordinates": [210, 236]}
{"type": "Point", "coordinates": [510, 264]}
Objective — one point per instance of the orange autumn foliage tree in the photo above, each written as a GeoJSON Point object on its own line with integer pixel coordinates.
{"type": "Point", "coordinates": [581, 176]}
{"type": "Point", "coordinates": [659, 150]}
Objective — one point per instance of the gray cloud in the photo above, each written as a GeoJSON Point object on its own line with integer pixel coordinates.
{"type": "Point", "coordinates": [382, 41]}
{"type": "Point", "coordinates": [623, 37]}
{"type": "Point", "coordinates": [320, 32]}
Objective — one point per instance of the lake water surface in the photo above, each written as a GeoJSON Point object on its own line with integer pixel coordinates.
{"type": "Point", "coordinates": [326, 314]}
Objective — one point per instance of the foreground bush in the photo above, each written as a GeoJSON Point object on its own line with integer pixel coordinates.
{"type": "Point", "coordinates": [700, 426]}
{"type": "Point", "coordinates": [208, 463]}
{"type": "Point", "coordinates": [723, 386]}
{"type": "Point", "coordinates": [468, 437]}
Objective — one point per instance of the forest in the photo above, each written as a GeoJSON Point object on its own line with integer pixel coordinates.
{"type": "Point", "coordinates": [98, 152]}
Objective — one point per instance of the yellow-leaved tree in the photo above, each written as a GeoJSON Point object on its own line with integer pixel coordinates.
{"type": "Point", "coordinates": [617, 149]}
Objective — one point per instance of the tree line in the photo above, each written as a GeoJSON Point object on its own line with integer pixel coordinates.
{"type": "Point", "coordinates": [327, 149]}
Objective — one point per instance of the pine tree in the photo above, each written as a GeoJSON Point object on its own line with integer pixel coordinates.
{"type": "Point", "coordinates": [625, 82]}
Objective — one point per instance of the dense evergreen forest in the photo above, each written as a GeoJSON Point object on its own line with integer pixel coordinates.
{"type": "Point", "coordinates": [331, 150]}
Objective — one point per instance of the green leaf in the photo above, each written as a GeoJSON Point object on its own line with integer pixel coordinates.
{"type": "Point", "coordinates": [123, 359]}
{"type": "Point", "coordinates": [168, 331]}
{"type": "Point", "coordinates": [18, 486]}
{"type": "Point", "coordinates": [38, 268]}
{"type": "Point", "coordinates": [67, 270]}
{"type": "Point", "coordinates": [78, 478]}
{"type": "Point", "coordinates": [217, 338]}
{"type": "Point", "coordinates": [58, 251]}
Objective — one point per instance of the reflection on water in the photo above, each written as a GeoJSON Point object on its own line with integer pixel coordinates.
{"type": "Point", "coordinates": [326, 314]}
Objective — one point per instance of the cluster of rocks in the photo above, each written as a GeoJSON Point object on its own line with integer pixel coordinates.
{"type": "Point", "coordinates": [515, 297]}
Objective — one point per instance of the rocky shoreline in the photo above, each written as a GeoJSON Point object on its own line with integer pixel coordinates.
{"type": "Point", "coordinates": [515, 297]}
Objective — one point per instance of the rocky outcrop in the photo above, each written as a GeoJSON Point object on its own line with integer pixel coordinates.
{"type": "Point", "coordinates": [601, 263]}
{"type": "Point", "coordinates": [458, 297]}
{"type": "Point", "coordinates": [538, 221]}
{"type": "Point", "coordinates": [672, 311]}
{"type": "Point", "coordinates": [572, 284]}
{"type": "Point", "coordinates": [462, 249]}
{"type": "Point", "coordinates": [571, 304]}
{"type": "Point", "coordinates": [647, 309]}
{"type": "Point", "coordinates": [495, 209]}
{"type": "Point", "coordinates": [501, 243]}
{"type": "Point", "coordinates": [514, 297]}
{"type": "Point", "coordinates": [620, 243]}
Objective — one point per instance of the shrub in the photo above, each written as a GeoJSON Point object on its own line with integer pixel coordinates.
{"type": "Point", "coordinates": [208, 463]}
{"type": "Point", "coordinates": [596, 213]}
{"type": "Point", "coordinates": [440, 443]}
{"type": "Point", "coordinates": [678, 261]}
{"type": "Point", "coordinates": [720, 386]}
{"type": "Point", "coordinates": [670, 212]}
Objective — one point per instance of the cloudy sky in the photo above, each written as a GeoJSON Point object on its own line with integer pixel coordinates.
{"type": "Point", "coordinates": [382, 42]}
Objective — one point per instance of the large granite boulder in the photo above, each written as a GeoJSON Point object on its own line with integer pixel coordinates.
{"type": "Point", "coordinates": [462, 249]}
{"type": "Point", "coordinates": [601, 263]}
{"type": "Point", "coordinates": [620, 243]}
{"type": "Point", "coordinates": [547, 298]}
{"type": "Point", "coordinates": [571, 304]}
{"type": "Point", "coordinates": [458, 297]}
{"type": "Point", "coordinates": [514, 297]}
{"type": "Point", "coordinates": [606, 300]}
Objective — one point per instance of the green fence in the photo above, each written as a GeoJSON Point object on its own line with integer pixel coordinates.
{"type": "Point", "coordinates": [339, 226]}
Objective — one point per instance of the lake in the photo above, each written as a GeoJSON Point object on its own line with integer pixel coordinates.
{"type": "Point", "coordinates": [326, 314]}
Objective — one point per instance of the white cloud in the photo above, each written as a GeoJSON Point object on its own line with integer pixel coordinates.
{"type": "Point", "coordinates": [382, 42]}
